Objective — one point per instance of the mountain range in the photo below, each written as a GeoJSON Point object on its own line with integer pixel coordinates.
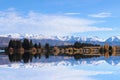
{"type": "Point", "coordinates": [59, 40]}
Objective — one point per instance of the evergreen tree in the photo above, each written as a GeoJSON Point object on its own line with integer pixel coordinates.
{"type": "Point", "coordinates": [14, 44]}
{"type": "Point", "coordinates": [35, 45]}
{"type": "Point", "coordinates": [39, 45]}
{"type": "Point", "coordinates": [31, 44]}
{"type": "Point", "coordinates": [10, 44]}
{"type": "Point", "coordinates": [47, 48]}
{"type": "Point", "coordinates": [26, 44]}
{"type": "Point", "coordinates": [17, 55]}
{"type": "Point", "coordinates": [77, 45]}
{"type": "Point", "coordinates": [110, 50]}
{"type": "Point", "coordinates": [18, 44]}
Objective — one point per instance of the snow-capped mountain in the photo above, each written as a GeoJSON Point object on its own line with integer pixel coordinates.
{"type": "Point", "coordinates": [113, 39]}
{"type": "Point", "coordinates": [30, 36]}
{"type": "Point", "coordinates": [95, 38]}
{"type": "Point", "coordinates": [61, 40]}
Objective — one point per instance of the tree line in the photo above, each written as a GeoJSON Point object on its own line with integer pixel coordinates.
{"type": "Point", "coordinates": [27, 45]}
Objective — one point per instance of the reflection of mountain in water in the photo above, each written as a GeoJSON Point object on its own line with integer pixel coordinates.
{"type": "Point", "coordinates": [113, 60]}
{"type": "Point", "coordinates": [60, 60]}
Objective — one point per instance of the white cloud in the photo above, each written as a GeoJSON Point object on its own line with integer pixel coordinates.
{"type": "Point", "coordinates": [72, 13]}
{"type": "Point", "coordinates": [12, 21]}
{"type": "Point", "coordinates": [101, 15]}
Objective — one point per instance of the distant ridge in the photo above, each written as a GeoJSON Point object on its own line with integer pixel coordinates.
{"type": "Point", "coordinates": [59, 40]}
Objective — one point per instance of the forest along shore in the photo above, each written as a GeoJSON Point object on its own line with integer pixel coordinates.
{"type": "Point", "coordinates": [25, 50]}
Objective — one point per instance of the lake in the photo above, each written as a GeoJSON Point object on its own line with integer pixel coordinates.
{"type": "Point", "coordinates": [2, 51]}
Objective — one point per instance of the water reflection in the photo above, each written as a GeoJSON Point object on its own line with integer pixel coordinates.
{"type": "Point", "coordinates": [112, 60]}
{"type": "Point", "coordinates": [28, 55]}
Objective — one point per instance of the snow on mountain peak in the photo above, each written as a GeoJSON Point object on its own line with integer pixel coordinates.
{"type": "Point", "coordinates": [113, 38]}
{"type": "Point", "coordinates": [95, 38]}
{"type": "Point", "coordinates": [61, 38]}
{"type": "Point", "coordinates": [30, 36]}
{"type": "Point", "coordinates": [11, 35]}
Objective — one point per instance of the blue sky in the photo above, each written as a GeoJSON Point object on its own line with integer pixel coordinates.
{"type": "Point", "coordinates": [61, 17]}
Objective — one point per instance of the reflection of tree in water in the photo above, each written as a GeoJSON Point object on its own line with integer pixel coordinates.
{"type": "Point", "coordinates": [15, 57]}
{"type": "Point", "coordinates": [26, 57]}
{"type": "Point", "coordinates": [47, 50]}
{"type": "Point", "coordinates": [78, 56]}
{"type": "Point", "coordinates": [10, 57]}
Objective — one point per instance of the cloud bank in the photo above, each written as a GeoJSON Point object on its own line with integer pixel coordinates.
{"type": "Point", "coordinates": [12, 21]}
